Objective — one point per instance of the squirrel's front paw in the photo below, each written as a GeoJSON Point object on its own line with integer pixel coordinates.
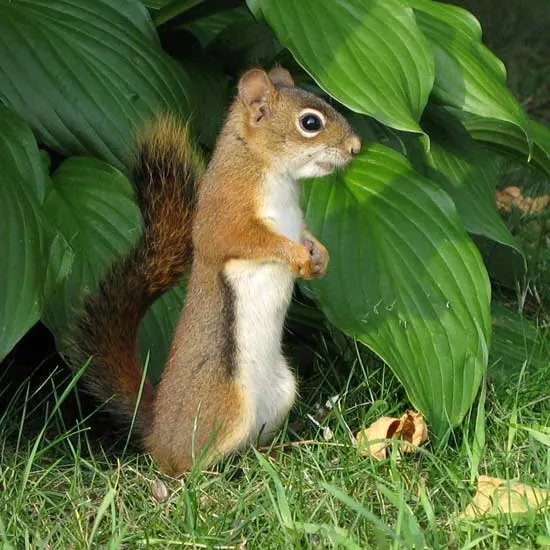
{"type": "Point", "coordinates": [318, 256]}
{"type": "Point", "coordinates": [310, 260]}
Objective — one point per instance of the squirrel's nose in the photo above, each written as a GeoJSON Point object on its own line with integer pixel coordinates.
{"type": "Point", "coordinates": [353, 144]}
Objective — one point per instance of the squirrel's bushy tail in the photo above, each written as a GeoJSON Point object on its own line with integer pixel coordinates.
{"type": "Point", "coordinates": [165, 173]}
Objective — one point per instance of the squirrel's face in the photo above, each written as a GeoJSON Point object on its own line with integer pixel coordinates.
{"type": "Point", "coordinates": [295, 131]}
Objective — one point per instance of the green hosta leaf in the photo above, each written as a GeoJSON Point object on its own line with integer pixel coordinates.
{"type": "Point", "coordinates": [211, 85]}
{"type": "Point", "coordinates": [60, 261]}
{"type": "Point", "coordinates": [155, 4]}
{"type": "Point", "coordinates": [207, 28]}
{"type": "Point", "coordinates": [368, 54]}
{"type": "Point", "coordinates": [244, 44]}
{"type": "Point", "coordinates": [509, 139]}
{"type": "Point", "coordinates": [458, 164]}
{"type": "Point", "coordinates": [541, 137]}
{"type": "Point", "coordinates": [405, 279]}
{"type": "Point", "coordinates": [468, 174]}
{"type": "Point", "coordinates": [172, 8]}
{"type": "Point", "coordinates": [22, 238]}
{"type": "Point", "coordinates": [467, 76]}
{"type": "Point", "coordinates": [93, 206]}
{"type": "Point", "coordinates": [86, 74]}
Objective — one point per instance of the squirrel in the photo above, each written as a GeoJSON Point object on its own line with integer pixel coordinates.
{"type": "Point", "coordinates": [236, 229]}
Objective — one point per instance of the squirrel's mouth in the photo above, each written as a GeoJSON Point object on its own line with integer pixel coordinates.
{"type": "Point", "coordinates": [329, 166]}
{"type": "Point", "coordinates": [334, 161]}
{"type": "Point", "coordinates": [326, 166]}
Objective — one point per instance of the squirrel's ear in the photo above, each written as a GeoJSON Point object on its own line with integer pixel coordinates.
{"type": "Point", "coordinates": [255, 91]}
{"type": "Point", "coordinates": [281, 77]}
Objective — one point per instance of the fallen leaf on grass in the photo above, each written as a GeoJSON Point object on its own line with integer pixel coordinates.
{"type": "Point", "coordinates": [414, 430]}
{"type": "Point", "coordinates": [496, 496]}
{"type": "Point", "coordinates": [374, 440]}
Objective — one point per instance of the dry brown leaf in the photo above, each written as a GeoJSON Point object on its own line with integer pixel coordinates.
{"type": "Point", "coordinates": [374, 440]}
{"type": "Point", "coordinates": [496, 496]}
{"type": "Point", "coordinates": [511, 196]}
{"type": "Point", "coordinates": [414, 430]}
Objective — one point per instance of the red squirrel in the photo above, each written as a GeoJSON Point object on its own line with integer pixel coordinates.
{"type": "Point", "coordinates": [237, 229]}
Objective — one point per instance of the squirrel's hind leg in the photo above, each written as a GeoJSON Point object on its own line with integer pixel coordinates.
{"type": "Point", "coordinates": [205, 432]}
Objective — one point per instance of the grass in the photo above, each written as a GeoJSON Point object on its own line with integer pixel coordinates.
{"type": "Point", "coordinates": [60, 488]}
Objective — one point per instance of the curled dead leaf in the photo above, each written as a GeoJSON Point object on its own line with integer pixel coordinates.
{"type": "Point", "coordinates": [375, 439]}
{"type": "Point", "coordinates": [414, 430]}
{"type": "Point", "coordinates": [496, 496]}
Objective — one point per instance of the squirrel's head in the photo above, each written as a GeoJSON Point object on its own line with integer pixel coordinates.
{"type": "Point", "coordinates": [295, 131]}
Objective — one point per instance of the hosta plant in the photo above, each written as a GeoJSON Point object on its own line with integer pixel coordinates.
{"type": "Point", "coordinates": [79, 78]}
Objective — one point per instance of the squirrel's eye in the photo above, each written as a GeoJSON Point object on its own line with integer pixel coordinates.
{"type": "Point", "coordinates": [310, 123]}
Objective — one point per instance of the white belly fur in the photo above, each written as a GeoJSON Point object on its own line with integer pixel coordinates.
{"type": "Point", "coordinates": [262, 293]}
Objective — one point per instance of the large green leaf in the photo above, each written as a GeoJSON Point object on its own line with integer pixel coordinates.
{"type": "Point", "coordinates": [22, 237]}
{"type": "Point", "coordinates": [209, 27]}
{"type": "Point", "coordinates": [86, 74]}
{"type": "Point", "coordinates": [405, 279]}
{"type": "Point", "coordinates": [467, 76]}
{"type": "Point", "coordinates": [468, 174]}
{"type": "Point", "coordinates": [173, 8]}
{"type": "Point", "coordinates": [507, 138]}
{"type": "Point", "coordinates": [244, 44]}
{"type": "Point", "coordinates": [92, 204]}
{"type": "Point", "coordinates": [211, 85]}
{"type": "Point", "coordinates": [155, 4]}
{"type": "Point", "coordinates": [456, 162]}
{"type": "Point", "coordinates": [368, 54]}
